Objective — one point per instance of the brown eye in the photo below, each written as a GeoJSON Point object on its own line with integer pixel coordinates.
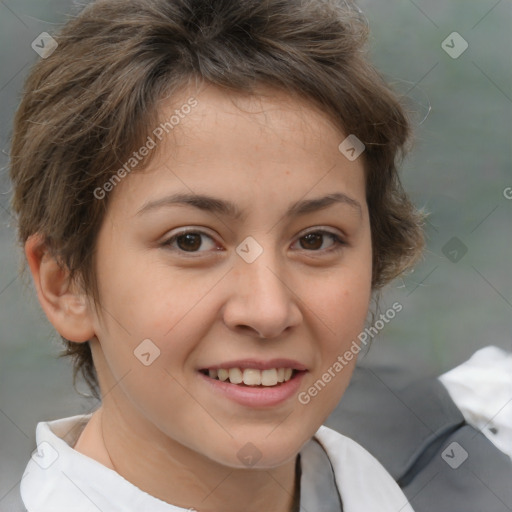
{"type": "Point", "coordinates": [315, 241]}
{"type": "Point", "coordinates": [312, 241]}
{"type": "Point", "coordinates": [191, 242]}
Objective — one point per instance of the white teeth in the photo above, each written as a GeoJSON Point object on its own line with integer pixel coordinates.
{"type": "Point", "coordinates": [235, 376]}
{"type": "Point", "coordinates": [222, 374]}
{"type": "Point", "coordinates": [269, 377]}
{"type": "Point", "coordinates": [252, 376]}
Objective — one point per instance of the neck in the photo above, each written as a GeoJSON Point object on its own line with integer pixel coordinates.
{"type": "Point", "coordinates": [173, 473]}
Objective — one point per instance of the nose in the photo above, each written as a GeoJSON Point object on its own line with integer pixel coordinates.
{"type": "Point", "coordinates": [261, 303]}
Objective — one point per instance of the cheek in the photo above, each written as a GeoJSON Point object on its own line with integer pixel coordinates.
{"type": "Point", "coordinates": [341, 301]}
{"type": "Point", "coordinates": [146, 296]}
{"type": "Point", "coordinates": [344, 317]}
{"type": "Point", "coordinates": [155, 318]}
{"type": "Point", "coordinates": [341, 309]}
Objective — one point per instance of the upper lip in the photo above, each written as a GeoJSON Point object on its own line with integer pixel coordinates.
{"type": "Point", "coordinates": [258, 364]}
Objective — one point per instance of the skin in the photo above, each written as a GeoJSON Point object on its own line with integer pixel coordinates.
{"type": "Point", "coordinates": [160, 426]}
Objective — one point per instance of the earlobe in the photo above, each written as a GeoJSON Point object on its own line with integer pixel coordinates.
{"type": "Point", "coordinates": [66, 307]}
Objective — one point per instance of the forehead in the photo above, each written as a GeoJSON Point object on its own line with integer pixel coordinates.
{"type": "Point", "coordinates": [270, 113]}
{"type": "Point", "coordinates": [236, 144]}
{"type": "Point", "coordinates": [267, 119]}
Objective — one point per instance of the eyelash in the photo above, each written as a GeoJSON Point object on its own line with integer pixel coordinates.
{"type": "Point", "coordinates": [339, 243]}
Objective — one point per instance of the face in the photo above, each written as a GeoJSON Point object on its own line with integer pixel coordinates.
{"type": "Point", "coordinates": [243, 252]}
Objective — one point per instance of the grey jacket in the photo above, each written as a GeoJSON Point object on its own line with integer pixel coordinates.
{"type": "Point", "coordinates": [419, 435]}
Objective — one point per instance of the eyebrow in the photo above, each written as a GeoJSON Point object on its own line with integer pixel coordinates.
{"type": "Point", "coordinates": [229, 209]}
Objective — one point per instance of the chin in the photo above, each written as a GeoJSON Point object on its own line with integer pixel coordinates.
{"type": "Point", "coordinates": [261, 454]}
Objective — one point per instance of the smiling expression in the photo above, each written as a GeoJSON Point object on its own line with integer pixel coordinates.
{"type": "Point", "coordinates": [243, 253]}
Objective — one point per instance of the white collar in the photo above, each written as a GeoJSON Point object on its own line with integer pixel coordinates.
{"type": "Point", "coordinates": [64, 479]}
{"type": "Point", "coordinates": [481, 388]}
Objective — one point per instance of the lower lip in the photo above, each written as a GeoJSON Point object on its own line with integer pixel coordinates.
{"type": "Point", "coordinates": [257, 396]}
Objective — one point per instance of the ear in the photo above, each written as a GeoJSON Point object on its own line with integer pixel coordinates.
{"type": "Point", "coordinates": [66, 307]}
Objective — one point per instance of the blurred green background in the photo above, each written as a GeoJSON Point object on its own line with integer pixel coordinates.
{"type": "Point", "coordinates": [458, 170]}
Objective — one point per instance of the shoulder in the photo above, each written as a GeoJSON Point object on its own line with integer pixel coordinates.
{"type": "Point", "coordinates": [415, 429]}
{"type": "Point", "coordinates": [60, 479]}
{"type": "Point", "coordinates": [362, 481]}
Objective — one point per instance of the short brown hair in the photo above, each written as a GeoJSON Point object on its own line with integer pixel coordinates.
{"type": "Point", "coordinates": [92, 102]}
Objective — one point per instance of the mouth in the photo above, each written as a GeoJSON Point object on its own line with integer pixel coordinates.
{"type": "Point", "coordinates": [252, 377]}
{"type": "Point", "coordinates": [255, 383]}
